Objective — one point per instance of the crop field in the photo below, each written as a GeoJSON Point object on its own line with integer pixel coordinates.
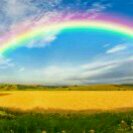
{"type": "Point", "coordinates": [67, 100]}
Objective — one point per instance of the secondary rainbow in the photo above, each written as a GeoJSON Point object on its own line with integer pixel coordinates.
{"type": "Point", "coordinates": [21, 38]}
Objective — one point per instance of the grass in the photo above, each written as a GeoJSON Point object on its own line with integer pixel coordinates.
{"type": "Point", "coordinates": [31, 122]}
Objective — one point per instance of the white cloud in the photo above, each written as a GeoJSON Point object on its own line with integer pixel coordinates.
{"type": "Point", "coordinates": [23, 11]}
{"type": "Point", "coordinates": [47, 39]}
{"type": "Point", "coordinates": [17, 10]}
{"type": "Point", "coordinates": [116, 49]}
{"type": "Point", "coordinates": [21, 69]}
{"type": "Point", "coordinates": [104, 70]}
{"type": "Point", "coordinates": [96, 9]}
{"type": "Point", "coordinates": [5, 62]}
{"type": "Point", "coordinates": [106, 45]}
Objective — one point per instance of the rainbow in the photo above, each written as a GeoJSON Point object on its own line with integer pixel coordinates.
{"type": "Point", "coordinates": [8, 42]}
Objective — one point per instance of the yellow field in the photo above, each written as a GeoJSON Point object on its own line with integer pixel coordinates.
{"type": "Point", "coordinates": [67, 100]}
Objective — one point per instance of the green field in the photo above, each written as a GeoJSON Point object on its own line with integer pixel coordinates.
{"type": "Point", "coordinates": [31, 122]}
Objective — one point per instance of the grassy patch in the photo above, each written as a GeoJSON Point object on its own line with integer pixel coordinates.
{"type": "Point", "coordinates": [31, 122]}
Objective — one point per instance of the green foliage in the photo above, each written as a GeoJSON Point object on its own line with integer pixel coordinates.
{"type": "Point", "coordinates": [99, 87]}
{"type": "Point", "coordinates": [67, 123]}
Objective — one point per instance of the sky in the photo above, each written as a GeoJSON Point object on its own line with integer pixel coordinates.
{"type": "Point", "coordinates": [66, 57]}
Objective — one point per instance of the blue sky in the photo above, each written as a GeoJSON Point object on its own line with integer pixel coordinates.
{"type": "Point", "coordinates": [78, 56]}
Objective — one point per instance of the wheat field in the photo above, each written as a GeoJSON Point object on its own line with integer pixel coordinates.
{"type": "Point", "coordinates": [67, 100]}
